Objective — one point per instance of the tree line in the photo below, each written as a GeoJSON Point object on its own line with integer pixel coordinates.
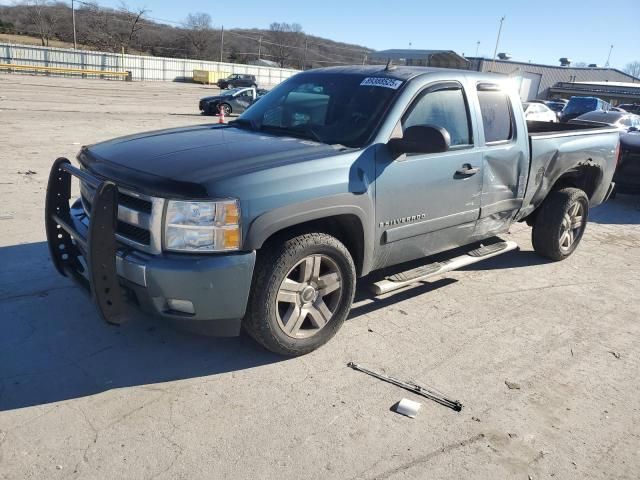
{"type": "Point", "coordinates": [136, 31]}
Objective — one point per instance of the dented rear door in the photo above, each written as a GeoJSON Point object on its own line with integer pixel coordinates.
{"type": "Point", "coordinates": [505, 159]}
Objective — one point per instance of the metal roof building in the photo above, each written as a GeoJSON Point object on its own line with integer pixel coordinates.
{"type": "Point", "coordinates": [421, 58]}
{"type": "Point", "coordinates": [620, 92]}
{"type": "Point", "coordinates": [539, 81]}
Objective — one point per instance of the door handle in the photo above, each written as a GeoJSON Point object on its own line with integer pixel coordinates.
{"type": "Point", "coordinates": [467, 170]}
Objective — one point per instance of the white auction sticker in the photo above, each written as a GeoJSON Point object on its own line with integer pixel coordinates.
{"type": "Point", "coordinates": [381, 82]}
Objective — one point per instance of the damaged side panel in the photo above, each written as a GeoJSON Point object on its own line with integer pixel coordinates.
{"type": "Point", "coordinates": [503, 188]}
{"type": "Point", "coordinates": [581, 156]}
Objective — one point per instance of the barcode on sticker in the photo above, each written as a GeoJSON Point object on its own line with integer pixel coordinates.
{"type": "Point", "coordinates": [381, 82]}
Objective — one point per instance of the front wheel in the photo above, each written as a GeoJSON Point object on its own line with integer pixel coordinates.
{"type": "Point", "coordinates": [301, 295]}
{"type": "Point", "coordinates": [560, 223]}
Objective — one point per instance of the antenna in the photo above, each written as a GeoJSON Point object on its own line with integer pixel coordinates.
{"type": "Point", "coordinates": [495, 52]}
{"type": "Point", "coordinates": [389, 66]}
{"type": "Point", "coordinates": [606, 65]}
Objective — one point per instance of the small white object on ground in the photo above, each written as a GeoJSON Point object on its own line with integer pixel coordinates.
{"type": "Point", "coordinates": [408, 407]}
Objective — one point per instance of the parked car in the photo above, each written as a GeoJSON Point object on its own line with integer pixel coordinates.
{"type": "Point", "coordinates": [625, 122]}
{"type": "Point", "coordinates": [580, 105]}
{"type": "Point", "coordinates": [238, 80]}
{"type": "Point", "coordinates": [539, 112]}
{"type": "Point", "coordinates": [627, 176]}
{"type": "Point", "coordinates": [630, 107]}
{"type": "Point", "coordinates": [268, 221]}
{"type": "Point", "coordinates": [557, 107]}
{"type": "Point", "coordinates": [236, 100]}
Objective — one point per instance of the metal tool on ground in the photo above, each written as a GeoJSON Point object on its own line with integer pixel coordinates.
{"type": "Point", "coordinates": [412, 387]}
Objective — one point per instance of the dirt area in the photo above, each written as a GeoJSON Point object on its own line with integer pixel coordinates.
{"type": "Point", "coordinates": [29, 40]}
{"type": "Point", "coordinates": [81, 399]}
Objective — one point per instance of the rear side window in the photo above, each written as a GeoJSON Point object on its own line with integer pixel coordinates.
{"type": "Point", "coordinates": [497, 116]}
{"type": "Point", "coordinates": [445, 108]}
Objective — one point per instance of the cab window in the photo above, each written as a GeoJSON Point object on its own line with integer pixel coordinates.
{"type": "Point", "coordinates": [497, 116]}
{"type": "Point", "coordinates": [445, 108]}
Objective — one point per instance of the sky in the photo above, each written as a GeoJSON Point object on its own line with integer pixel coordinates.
{"type": "Point", "coordinates": [539, 31]}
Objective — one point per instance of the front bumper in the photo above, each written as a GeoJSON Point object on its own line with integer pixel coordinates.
{"type": "Point", "coordinates": [213, 287]}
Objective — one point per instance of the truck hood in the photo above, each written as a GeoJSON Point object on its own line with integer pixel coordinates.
{"type": "Point", "coordinates": [188, 162]}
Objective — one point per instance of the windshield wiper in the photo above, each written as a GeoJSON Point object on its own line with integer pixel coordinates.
{"type": "Point", "coordinates": [306, 133]}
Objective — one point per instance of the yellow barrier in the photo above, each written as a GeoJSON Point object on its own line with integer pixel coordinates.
{"type": "Point", "coordinates": [35, 68]}
{"type": "Point", "coordinates": [208, 77]}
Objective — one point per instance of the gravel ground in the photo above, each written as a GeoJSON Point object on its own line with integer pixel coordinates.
{"type": "Point", "coordinates": [81, 399]}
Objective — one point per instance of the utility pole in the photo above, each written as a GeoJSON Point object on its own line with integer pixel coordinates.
{"type": "Point", "coordinates": [73, 21]}
{"type": "Point", "coordinates": [606, 65]}
{"type": "Point", "coordinates": [477, 48]}
{"type": "Point", "coordinates": [221, 42]}
{"type": "Point", "coordinates": [364, 59]}
{"type": "Point", "coordinates": [495, 52]}
{"type": "Point", "coordinates": [259, 46]}
{"type": "Point", "coordinates": [306, 46]}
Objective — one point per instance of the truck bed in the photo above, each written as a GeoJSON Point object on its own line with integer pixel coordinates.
{"type": "Point", "coordinates": [537, 129]}
{"type": "Point", "coordinates": [557, 148]}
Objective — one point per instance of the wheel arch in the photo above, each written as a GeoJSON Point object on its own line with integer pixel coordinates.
{"type": "Point", "coordinates": [585, 176]}
{"type": "Point", "coordinates": [346, 222]}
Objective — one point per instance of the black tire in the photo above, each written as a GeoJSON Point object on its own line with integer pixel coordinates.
{"type": "Point", "coordinates": [254, 86]}
{"type": "Point", "coordinates": [227, 109]}
{"type": "Point", "coordinates": [275, 263]}
{"type": "Point", "coordinates": [550, 227]}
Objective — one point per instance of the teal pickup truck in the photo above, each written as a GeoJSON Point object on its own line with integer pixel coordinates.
{"type": "Point", "coordinates": [266, 222]}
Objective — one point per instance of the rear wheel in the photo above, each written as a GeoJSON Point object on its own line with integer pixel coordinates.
{"type": "Point", "coordinates": [560, 223]}
{"type": "Point", "coordinates": [226, 108]}
{"type": "Point", "coordinates": [301, 294]}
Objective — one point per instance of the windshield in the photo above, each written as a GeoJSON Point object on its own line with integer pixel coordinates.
{"type": "Point", "coordinates": [231, 91]}
{"type": "Point", "coordinates": [329, 108]}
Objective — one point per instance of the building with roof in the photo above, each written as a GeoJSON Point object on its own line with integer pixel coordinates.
{"type": "Point", "coordinates": [612, 92]}
{"type": "Point", "coordinates": [420, 58]}
{"type": "Point", "coordinates": [534, 80]}
{"type": "Point", "coordinates": [546, 81]}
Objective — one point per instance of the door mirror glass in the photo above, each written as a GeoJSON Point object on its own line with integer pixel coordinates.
{"type": "Point", "coordinates": [422, 139]}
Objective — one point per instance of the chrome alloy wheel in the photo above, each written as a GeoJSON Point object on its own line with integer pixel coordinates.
{"type": "Point", "coordinates": [309, 296]}
{"type": "Point", "coordinates": [572, 226]}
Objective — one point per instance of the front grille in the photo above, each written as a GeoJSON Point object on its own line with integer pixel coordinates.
{"type": "Point", "coordinates": [138, 218]}
{"type": "Point", "coordinates": [136, 234]}
{"type": "Point", "coordinates": [134, 203]}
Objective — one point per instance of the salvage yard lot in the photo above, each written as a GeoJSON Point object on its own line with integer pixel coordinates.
{"type": "Point", "coordinates": [81, 399]}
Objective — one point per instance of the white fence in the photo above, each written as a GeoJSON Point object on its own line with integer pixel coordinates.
{"type": "Point", "coordinates": [141, 67]}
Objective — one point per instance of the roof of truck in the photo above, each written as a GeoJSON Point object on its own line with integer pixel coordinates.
{"type": "Point", "coordinates": [401, 72]}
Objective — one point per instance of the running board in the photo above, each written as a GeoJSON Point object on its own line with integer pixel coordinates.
{"type": "Point", "coordinates": [424, 272]}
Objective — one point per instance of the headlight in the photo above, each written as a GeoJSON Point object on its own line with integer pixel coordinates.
{"type": "Point", "coordinates": [202, 226]}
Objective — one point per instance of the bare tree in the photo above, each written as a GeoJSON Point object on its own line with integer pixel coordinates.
{"type": "Point", "coordinates": [199, 33]}
{"type": "Point", "coordinates": [633, 69]}
{"type": "Point", "coordinates": [285, 42]}
{"type": "Point", "coordinates": [134, 17]}
{"type": "Point", "coordinates": [40, 15]}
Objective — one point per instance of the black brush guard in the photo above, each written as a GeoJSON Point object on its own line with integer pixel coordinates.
{"type": "Point", "coordinates": [73, 247]}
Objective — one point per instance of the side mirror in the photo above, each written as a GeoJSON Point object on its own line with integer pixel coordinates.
{"type": "Point", "coordinates": [633, 129]}
{"type": "Point", "coordinates": [422, 139]}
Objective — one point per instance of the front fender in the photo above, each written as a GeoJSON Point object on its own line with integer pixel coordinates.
{"type": "Point", "coordinates": [276, 220]}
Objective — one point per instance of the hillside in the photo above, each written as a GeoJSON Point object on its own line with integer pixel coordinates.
{"type": "Point", "coordinates": [98, 28]}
